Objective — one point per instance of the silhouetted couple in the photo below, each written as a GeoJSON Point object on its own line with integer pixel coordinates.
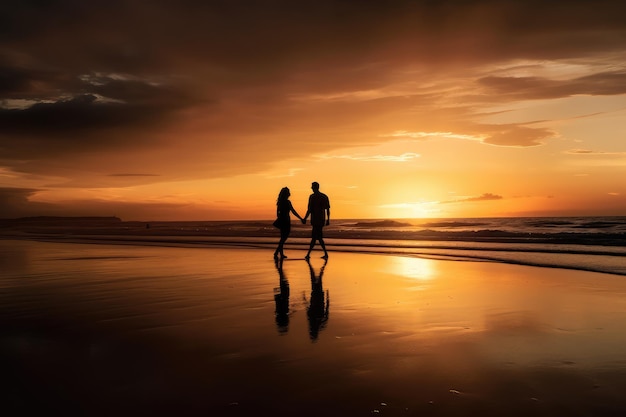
{"type": "Point", "coordinates": [319, 210]}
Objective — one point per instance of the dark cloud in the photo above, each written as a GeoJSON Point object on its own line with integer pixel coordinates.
{"type": "Point", "coordinates": [606, 83]}
{"type": "Point", "coordinates": [248, 41]}
{"type": "Point", "coordinates": [92, 114]}
{"type": "Point", "coordinates": [229, 45]}
{"type": "Point", "coordinates": [582, 152]}
{"type": "Point", "coordinates": [516, 135]}
{"type": "Point", "coordinates": [10, 196]}
{"type": "Point", "coordinates": [75, 114]}
{"type": "Point", "coordinates": [484, 197]}
{"type": "Point", "coordinates": [132, 210]}
{"type": "Point", "coordinates": [14, 202]}
{"type": "Point", "coordinates": [62, 103]}
{"type": "Point", "coordinates": [13, 80]}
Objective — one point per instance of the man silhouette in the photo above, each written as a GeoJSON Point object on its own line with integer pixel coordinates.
{"type": "Point", "coordinates": [319, 209]}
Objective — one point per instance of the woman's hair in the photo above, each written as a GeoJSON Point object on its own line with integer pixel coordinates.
{"type": "Point", "coordinates": [283, 195]}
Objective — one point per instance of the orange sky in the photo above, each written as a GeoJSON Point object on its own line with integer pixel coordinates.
{"type": "Point", "coordinates": [203, 111]}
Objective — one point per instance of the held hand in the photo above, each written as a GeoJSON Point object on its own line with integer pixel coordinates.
{"type": "Point", "coordinates": [303, 221]}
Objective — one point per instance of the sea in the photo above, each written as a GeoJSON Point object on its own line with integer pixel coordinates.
{"type": "Point", "coordinates": [584, 243]}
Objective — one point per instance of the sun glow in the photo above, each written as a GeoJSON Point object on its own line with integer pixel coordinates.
{"type": "Point", "coordinates": [415, 210]}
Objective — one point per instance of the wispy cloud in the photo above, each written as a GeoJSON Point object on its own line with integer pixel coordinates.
{"type": "Point", "coordinates": [404, 157]}
{"type": "Point", "coordinates": [427, 135]}
{"type": "Point", "coordinates": [291, 172]}
{"type": "Point", "coordinates": [500, 135]}
{"type": "Point", "coordinates": [345, 96]}
{"type": "Point", "coordinates": [580, 151]}
{"type": "Point", "coordinates": [482, 197]}
{"type": "Point", "coordinates": [133, 175]}
{"type": "Point", "coordinates": [592, 152]}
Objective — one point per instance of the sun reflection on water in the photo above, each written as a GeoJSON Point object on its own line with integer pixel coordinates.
{"type": "Point", "coordinates": [416, 268]}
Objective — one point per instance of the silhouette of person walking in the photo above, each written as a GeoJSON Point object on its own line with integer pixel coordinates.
{"type": "Point", "coordinates": [283, 208]}
{"type": "Point", "coordinates": [319, 304]}
{"type": "Point", "coordinates": [319, 209]}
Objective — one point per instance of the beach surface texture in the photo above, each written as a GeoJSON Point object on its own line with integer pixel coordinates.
{"type": "Point", "coordinates": [114, 324]}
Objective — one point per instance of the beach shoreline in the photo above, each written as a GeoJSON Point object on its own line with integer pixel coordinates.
{"type": "Point", "coordinates": [593, 258]}
{"type": "Point", "coordinates": [160, 330]}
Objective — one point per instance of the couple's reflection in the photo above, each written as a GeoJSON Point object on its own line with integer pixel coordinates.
{"type": "Point", "coordinates": [318, 304]}
{"type": "Point", "coordinates": [281, 297]}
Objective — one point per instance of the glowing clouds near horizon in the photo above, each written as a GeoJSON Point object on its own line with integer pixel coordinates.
{"type": "Point", "coordinates": [409, 210]}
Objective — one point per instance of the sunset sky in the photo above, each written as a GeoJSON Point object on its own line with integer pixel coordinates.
{"type": "Point", "coordinates": [203, 110]}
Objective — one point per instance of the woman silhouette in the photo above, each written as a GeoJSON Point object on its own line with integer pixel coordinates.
{"type": "Point", "coordinates": [283, 208]}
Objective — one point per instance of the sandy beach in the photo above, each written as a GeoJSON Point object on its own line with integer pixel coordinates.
{"type": "Point", "coordinates": [101, 330]}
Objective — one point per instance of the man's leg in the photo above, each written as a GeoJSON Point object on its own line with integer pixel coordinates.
{"type": "Point", "coordinates": [321, 239]}
{"type": "Point", "coordinates": [315, 235]}
{"type": "Point", "coordinates": [311, 245]}
{"type": "Point", "coordinates": [308, 254]}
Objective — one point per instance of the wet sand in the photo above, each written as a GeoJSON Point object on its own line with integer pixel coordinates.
{"type": "Point", "coordinates": [101, 330]}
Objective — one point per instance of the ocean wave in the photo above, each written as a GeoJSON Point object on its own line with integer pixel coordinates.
{"type": "Point", "coordinates": [454, 224]}
{"type": "Point", "coordinates": [382, 223]}
{"type": "Point", "coordinates": [591, 243]}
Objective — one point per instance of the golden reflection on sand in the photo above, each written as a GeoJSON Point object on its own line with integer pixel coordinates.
{"type": "Point", "coordinates": [510, 313]}
{"type": "Point", "coordinates": [413, 267]}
